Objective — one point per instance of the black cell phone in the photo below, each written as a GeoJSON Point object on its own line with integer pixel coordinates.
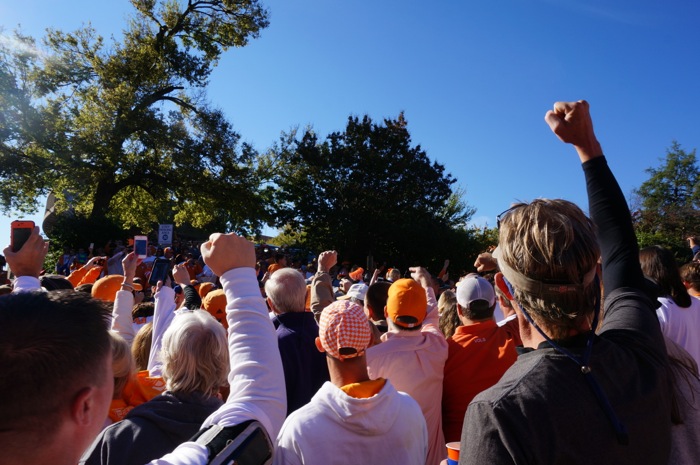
{"type": "Point", "coordinates": [159, 272]}
{"type": "Point", "coordinates": [20, 232]}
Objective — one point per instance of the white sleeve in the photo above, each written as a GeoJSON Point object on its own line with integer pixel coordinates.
{"type": "Point", "coordinates": [122, 322]}
{"type": "Point", "coordinates": [256, 376]}
{"type": "Point", "coordinates": [163, 314]}
{"type": "Point", "coordinates": [26, 283]}
{"type": "Point", "coordinates": [432, 316]}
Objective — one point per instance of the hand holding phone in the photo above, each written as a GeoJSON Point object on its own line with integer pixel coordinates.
{"type": "Point", "coordinates": [159, 272]}
{"type": "Point", "coordinates": [29, 259]}
{"type": "Point", "coordinates": [141, 246]}
{"type": "Point", "coordinates": [20, 232]}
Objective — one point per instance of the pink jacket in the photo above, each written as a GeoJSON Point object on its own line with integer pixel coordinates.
{"type": "Point", "coordinates": [414, 362]}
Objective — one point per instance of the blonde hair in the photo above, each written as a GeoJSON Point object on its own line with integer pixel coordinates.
{"type": "Point", "coordinates": [122, 363]}
{"type": "Point", "coordinates": [195, 353]}
{"type": "Point", "coordinates": [554, 242]}
{"type": "Point", "coordinates": [449, 318]}
{"type": "Point", "coordinates": [141, 347]}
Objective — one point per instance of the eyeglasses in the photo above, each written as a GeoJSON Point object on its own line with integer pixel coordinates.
{"type": "Point", "coordinates": [505, 213]}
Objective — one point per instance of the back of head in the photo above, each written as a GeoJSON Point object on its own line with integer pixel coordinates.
{"type": "Point", "coordinates": [51, 346]}
{"type": "Point", "coordinates": [660, 266]}
{"type": "Point", "coordinates": [690, 273]}
{"type": "Point", "coordinates": [407, 304]}
{"type": "Point", "coordinates": [449, 319]}
{"type": "Point", "coordinates": [55, 282]}
{"type": "Point", "coordinates": [195, 354]}
{"type": "Point", "coordinates": [393, 274]}
{"type": "Point", "coordinates": [549, 252]}
{"type": "Point", "coordinates": [141, 347]}
{"type": "Point", "coordinates": [476, 297]}
{"type": "Point", "coordinates": [122, 362]}
{"type": "Point", "coordinates": [375, 299]}
{"type": "Point", "coordinates": [286, 288]}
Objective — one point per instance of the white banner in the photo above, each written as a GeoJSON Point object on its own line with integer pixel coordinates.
{"type": "Point", "coordinates": [165, 234]}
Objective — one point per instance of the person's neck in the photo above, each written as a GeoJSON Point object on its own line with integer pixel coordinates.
{"type": "Point", "coordinates": [694, 292]}
{"type": "Point", "coordinates": [19, 451]}
{"type": "Point", "coordinates": [348, 371]}
{"type": "Point", "coordinates": [468, 321]}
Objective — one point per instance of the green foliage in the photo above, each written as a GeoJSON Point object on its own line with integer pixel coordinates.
{"type": "Point", "coordinates": [367, 191]}
{"type": "Point", "coordinates": [125, 132]}
{"type": "Point", "coordinates": [666, 205]}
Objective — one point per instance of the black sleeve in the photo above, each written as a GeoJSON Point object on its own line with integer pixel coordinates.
{"type": "Point", "coordinates": [618, 243]}
{"type": "Point", "coordinates": [192, 299]}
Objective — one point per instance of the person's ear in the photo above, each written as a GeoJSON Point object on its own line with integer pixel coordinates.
{"type": "Point", "coordinates": [272, 306]}
{"type": "Point", "coordinates": [386, 313]}
{"type": "Point", "coordinates": [459, 310]}
{"type": "Point", "coordinates": [501, 284]}
{"type": "Point", "coordinates": [319, 346]}
{"type": "Point", "coordinates": [84, 407]}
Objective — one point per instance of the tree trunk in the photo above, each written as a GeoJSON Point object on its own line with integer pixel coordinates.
{"type": "Point", "coordinates": [106, 189]}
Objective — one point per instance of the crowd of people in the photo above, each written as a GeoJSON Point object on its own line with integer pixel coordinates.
{"type": "Point", "coordinates": [567, 345]}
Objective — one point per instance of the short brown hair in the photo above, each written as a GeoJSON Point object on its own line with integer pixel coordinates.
{"type": "Point", "coordinates": [553, 242]}
{"type": "Point", "coordinates": [51, 345]}
{"type": "Point", "coordinates": [690, 273]}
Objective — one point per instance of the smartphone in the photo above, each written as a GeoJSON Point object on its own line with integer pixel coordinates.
{"type": "Point", "coordinates": [159, 272]}
{"type": "Point", "coordinates": [141, 246]}
{"type": "Point", "coordinates": [20, 232]}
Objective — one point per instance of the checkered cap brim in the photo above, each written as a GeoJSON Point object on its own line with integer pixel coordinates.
{"type": "Point", "coordinates": [344, 325]}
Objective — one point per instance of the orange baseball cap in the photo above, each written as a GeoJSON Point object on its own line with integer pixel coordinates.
{"type": "Point", "coordinates": [106, 288]}
{"type": "Point", "coordinates": [205, 288]}
{"type": "Point", "coordinates": [357, 274]}
{"type": "Point", "coordinates": [215, 303]}
{"type": "Point", "coordinates": [407, 303]}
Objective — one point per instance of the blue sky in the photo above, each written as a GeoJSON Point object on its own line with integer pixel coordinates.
{"type": "Point", "coordinates": [473, 78]}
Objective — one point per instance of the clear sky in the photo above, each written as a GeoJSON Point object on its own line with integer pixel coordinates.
{"type": "Point", "coordinates": [473, 78]}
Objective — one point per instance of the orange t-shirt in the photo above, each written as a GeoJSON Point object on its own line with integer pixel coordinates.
{"type": "Point", "coordinates": [478, 355]}
{"type": "Point", "coordinates": [365, 389]}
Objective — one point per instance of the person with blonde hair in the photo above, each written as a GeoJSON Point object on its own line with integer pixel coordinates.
{"type": "Point", "coordinates": [63, 418]}
{"type": "Point", "coordinates": [194, 357]}
{"type": "Point", "coordinates": [123, 369]}
{"type": "Point", "coordinates": [447, 309]}
{"type": "Point", "coordinates": [574, 396]}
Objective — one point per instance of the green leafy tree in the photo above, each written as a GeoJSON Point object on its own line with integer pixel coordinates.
{"type": "Point", "coordinates": [665, 207]}
{"type": "Point", "coordinates": [367, 191]}
{"type": "Point", "coordinates": [124, 133]}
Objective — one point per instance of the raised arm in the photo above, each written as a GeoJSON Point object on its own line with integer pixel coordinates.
{"type": "Point", "coordinates": [256, 376]}
{"type": "Point", "coordinates": [163, 314]}
{"type": "Point", "coordinates": [321, 284]}
{"type": "Point", "coordinates": [571, 122]}
{"type": "Point", "coordinates": [27, 262]}
{"type": "Point", "coordinates": [122, 321]}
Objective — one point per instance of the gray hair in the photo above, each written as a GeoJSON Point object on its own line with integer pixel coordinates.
{"type": "Point", "coordinates": [286, 288]}
{"type": "Point", "coordinates": [195, 353]}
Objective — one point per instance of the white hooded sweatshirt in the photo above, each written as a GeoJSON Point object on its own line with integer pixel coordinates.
{"type": "Point", "coordinates": [335, 428]}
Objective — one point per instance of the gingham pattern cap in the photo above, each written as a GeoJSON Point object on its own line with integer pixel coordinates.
{"type": "Point", "coordinates": [344, 325]}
